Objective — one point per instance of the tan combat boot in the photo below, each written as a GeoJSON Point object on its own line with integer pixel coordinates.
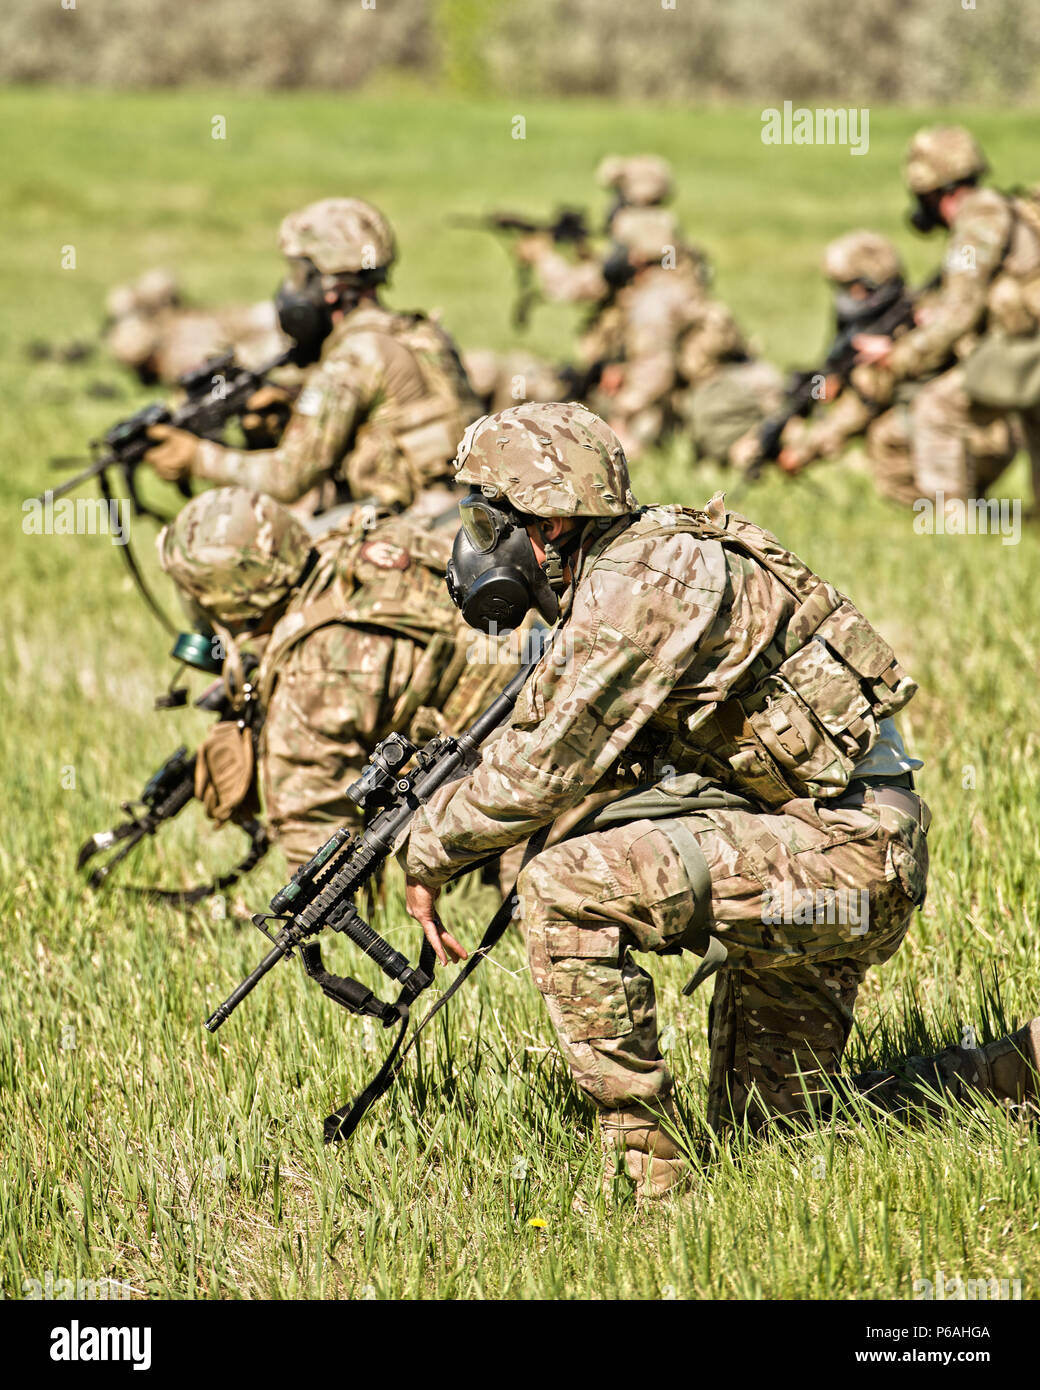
{"type": "Point", "coordinates": [1008, 1068]}
{"type": "Point", "coordinates": [650, 1156]}
{"type": "Point", "coordinates": [1003, 1070]}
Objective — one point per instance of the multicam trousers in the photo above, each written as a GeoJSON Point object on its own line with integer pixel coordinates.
{"type": "Point", "coordinates": [941, 441]}
{"type": "Point", "coordinates": [804, 902]}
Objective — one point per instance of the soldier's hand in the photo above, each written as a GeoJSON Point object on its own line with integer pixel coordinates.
{"type": "Point", "coordinates": [612, 378]}
{"type": "Point", "coordinates": [421, 903]}
{"type": "Point", "coordinates": [528, 248]}
{"type": "Point", "coordinates": [872, 348]}
{"type": "Point", "coordinates": [173, 453]}
{"type": "Point", "coordinates": [831, 388]}
{"type": "Point", "coordinates": [266, 416]}
{"type": "Point", "coordinates": [873, 383]}
{"type": "Point", "coordinates": [790, 461]}
{"type": "Point", "coordinates": [267, 396]}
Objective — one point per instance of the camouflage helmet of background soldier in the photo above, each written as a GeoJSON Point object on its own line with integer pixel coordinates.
{"type": "Point", "coordinates": [939, 156]}
{"type": "Point", "coordinates": [548, 460]}
{"type": "Point", "coordinates": [862, 256]}
{"type": "Point", "coordinates": [339, 236]}
{"type": "Point", "coordinates": [641, 180]}
{"type": "Point", "coordinates": [337, 250]}
{"type": "Point", "coordinates": [235, 555]}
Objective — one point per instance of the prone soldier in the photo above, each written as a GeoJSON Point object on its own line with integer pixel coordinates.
{"type": "Point", "coordinates": [153, 333]}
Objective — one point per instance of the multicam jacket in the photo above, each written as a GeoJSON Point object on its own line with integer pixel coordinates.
{"type": "Point", "coordinates": [370, 644]}
{"type": "Point", "coordinates": [379, 416]}
{"type": "Point", "coordinates": [693, 642]}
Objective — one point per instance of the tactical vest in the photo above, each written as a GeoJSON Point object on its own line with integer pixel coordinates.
{"type": "Point", "coordinates": [809, 708]}
{"type": "Point", "coordinates": [425, 432]}
{"type": "Point", "coordinates": [388, 578]}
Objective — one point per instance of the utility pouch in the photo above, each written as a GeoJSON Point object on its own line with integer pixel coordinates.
{"type": "Point", "coordinates": [1003, 373]}
{"type": "Point", "coordinates": [224, 770]}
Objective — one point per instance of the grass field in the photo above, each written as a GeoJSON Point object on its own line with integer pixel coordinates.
{"type": "Point", "coordinates": [140, 1149]}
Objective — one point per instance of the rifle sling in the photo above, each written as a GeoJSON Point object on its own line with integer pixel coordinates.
{"type": "Point", "coordinates": [342, 1123]}
{"type": "Point", "coordinates": [187, 897]}
{"type": "Point", "coordinates": [134, 568]}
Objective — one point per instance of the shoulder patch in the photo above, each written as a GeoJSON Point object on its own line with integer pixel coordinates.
{"type": "Point", "coordinates": [385, 555]}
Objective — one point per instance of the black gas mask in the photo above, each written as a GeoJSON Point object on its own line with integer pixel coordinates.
{"type": "Point", "coordinates": [852, 309]}
{"type": "Point", "coordinates": [303, 314]}
{"type": "Point", "coordinates": [924, 215]}
{"type": "Point", "coordinates": [617, 269]}
{"type": "Point", "coordinates": [493, 577]}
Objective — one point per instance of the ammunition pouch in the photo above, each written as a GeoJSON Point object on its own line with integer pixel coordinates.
{"type": "Point", "coordinates": [224, 771]}
{"type": "Point", "coordinates": [813, 713]}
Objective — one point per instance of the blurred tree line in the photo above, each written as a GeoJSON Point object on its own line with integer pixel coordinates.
{"type": "Point", "coordinates": [927, 51]}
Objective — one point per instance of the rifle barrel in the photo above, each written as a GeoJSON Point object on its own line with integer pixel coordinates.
{"type": "Point", "coordinates": [231, 1003]}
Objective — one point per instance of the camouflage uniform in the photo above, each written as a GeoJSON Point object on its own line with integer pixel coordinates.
{"type": "Point", "coordinates": [961, 441]}
{"type": "Point", "coordinates": [150, 332]}
{"type": "Point", "coordinates": [366, 642]}
{"type": "Point", "coordinates": [663, 326]}
{"type": "Point", "coordinates": [868, 259]}
{"type": "Point", "coordinates": [380, 414]}
{"type": "Point", "coordinates": [667, 629]}
{"type": "Point", "coordinates": [500, 380]}
{"type": "Point", "coordinates": [691, 644]}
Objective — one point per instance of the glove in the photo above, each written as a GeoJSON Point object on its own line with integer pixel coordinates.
{"type": "Point", "coordinates": [266, 415]}
{"type": "Point", "coordinates": [173, 454]}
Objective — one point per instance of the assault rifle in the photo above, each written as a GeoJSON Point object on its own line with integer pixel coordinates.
{"type": "Point", "coordinates": [321, 892]}
{"type": "Point", "coordinates": [567, 226]}
{"type": "Point", "coordinates": [165, 795]}
{"type": "Point", "coordinates": [839, 362]}
{"type": "Point", "coordinates": [214, 394]}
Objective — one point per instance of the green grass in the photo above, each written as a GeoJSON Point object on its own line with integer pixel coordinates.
{"type": "Point", "coordinates": [139, 1148]}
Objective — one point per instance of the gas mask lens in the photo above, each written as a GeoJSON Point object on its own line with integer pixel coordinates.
{"type": "Point", "coordinates": [482, 522]}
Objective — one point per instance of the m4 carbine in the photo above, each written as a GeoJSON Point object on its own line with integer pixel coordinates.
{"type": "Point", "coordinates": [321, 893]}
{"type": "Point", "coordinates": [566, 226]}
{"type": "Point", "coordinates": [165, 795]}
{"type": "Point", "coordinates": [215, 393]}
{"type": "Point", "coordinates": [839, 362]}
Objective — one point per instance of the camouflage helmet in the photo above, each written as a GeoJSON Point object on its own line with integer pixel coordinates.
{"type": "Point", "coordinates": [941, 155]}
{"type": "Point", "coordinates": [547, 459]}
{"type": "Point", "coordinates": [340, 236]}
{"type": "Point", "coordinates": [647, 232]}
{"type": "Point", "coordinates": [861, 255]}
{"type": "Point", "coordinates": [157, 289]}
{"type": "Point", "coordinates": [641, 179]}
{"type": "Point", "coordinates": [234, 553]}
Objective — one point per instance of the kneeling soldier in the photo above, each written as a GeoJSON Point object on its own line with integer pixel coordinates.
{"type": "Point", "coordinates": [741, 710]}
{"type": "Point", "coordinates": [360, 640]}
